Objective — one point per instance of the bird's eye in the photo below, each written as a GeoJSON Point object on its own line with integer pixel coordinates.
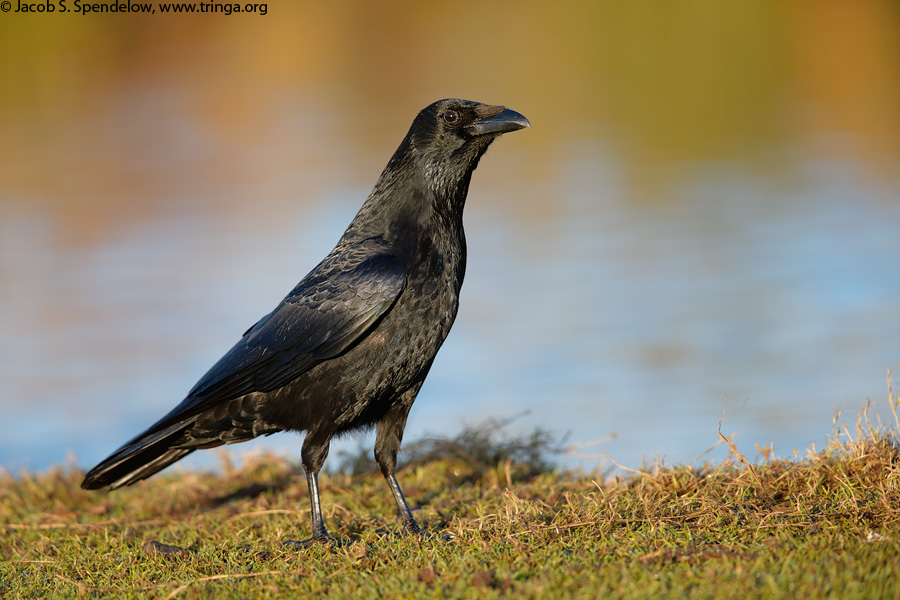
{"type": "Point", "coordinates": [451, 117]}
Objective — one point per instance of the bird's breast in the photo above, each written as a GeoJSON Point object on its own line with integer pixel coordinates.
{"type": "Point", "coordinates": [420, 321]}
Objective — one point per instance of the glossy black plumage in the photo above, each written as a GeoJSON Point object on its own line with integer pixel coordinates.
{"type": "Point", "coordinates": [351, 344]}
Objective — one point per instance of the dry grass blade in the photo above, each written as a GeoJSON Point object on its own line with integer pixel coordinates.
{"type": "Point", "coordinates": [97, 524]}
{"type": "Point", "coordinates": [733, 448]}
{"type": "Point", "coordinates": [893, 399]}
{"type": "Point", "coordinates": [182, 585]}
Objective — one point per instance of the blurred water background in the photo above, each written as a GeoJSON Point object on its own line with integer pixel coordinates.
{"type": "Point", "coordinates": [706, 207]}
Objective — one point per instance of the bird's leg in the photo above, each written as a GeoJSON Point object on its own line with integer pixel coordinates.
{"type": "Point", "coordinates": [387, 444]}
{"type": "Point", "coordinates": [409, 522]}
{"type": "Point", "coordinates": [313, 458]}
{"type": "Point", "coordinates": [318, 523]}
{"type": "Point", "coordinates": [320, 534]}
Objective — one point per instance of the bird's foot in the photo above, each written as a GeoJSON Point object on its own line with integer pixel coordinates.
{"type": "Point", "coordinates": [427, 536]}
{"type": "Point", "coordinates": [412, 528]}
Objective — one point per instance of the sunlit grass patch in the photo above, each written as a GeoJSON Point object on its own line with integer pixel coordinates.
{"type": "Point", "coordinates": [821, 524]}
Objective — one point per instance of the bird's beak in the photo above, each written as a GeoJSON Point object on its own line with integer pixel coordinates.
{"type": "Point", "coordinates": [497, 120]}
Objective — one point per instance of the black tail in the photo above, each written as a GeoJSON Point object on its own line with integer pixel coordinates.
{"type": "Point", "coordinates": [140, 458]}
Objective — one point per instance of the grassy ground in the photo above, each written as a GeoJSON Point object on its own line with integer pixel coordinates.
{"type": "Point", "coordinates": [826, 525]}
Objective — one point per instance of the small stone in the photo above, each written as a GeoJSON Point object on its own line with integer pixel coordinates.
{"type": "Point", "coordinates": [484, 579]}
{"type": "Point", "coordinates": [427, 575]}
{"type": "Point", "coordinates": [154, 547]}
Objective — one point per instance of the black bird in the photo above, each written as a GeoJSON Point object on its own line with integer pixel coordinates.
{"type": "Point", "coordinates": [351, 344]}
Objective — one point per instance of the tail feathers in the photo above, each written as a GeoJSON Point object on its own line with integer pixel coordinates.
{"type": "Point", "coordinates": [139, 459]}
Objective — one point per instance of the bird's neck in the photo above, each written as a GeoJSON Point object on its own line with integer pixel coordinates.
{"type": "Point", "coordinates": [416, 196]}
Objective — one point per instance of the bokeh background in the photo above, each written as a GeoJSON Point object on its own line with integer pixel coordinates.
{"type": "Point", "coordinates": [706, 207]}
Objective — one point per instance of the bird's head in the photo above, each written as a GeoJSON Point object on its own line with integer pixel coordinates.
{"type": "Point", "coordinates": [450, 136]}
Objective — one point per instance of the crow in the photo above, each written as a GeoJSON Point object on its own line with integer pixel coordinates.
{"type": "Point", "coordinates": [349, 347]}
